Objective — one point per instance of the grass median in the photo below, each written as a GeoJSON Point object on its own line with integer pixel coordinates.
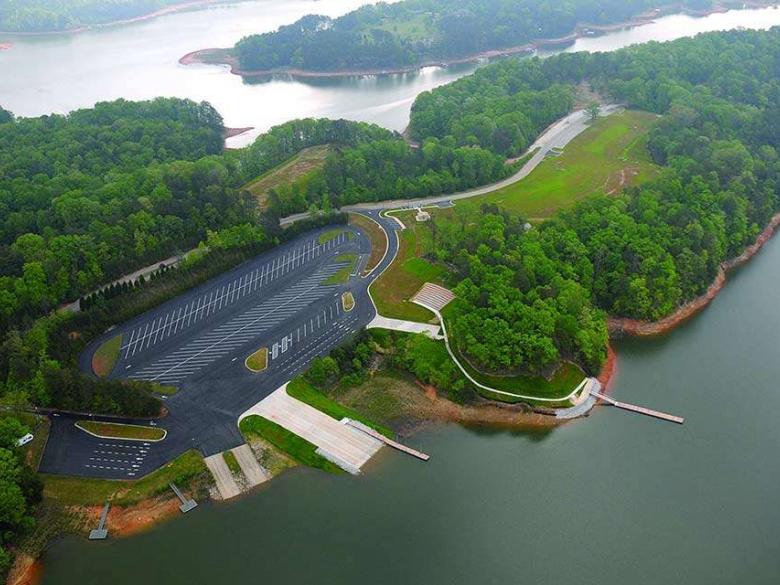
{"type": "Point", "coordinates": [105, 357]}
{"type": "Point", "coordinates": [258, 361]}
{"type": "Point", "coordinates": [121, 431]}
{"type": "Point", "coordinates": [296, 447]}
{"type": "Point", "coordinates": [342, 276]}
{"type": "Point", "coordinates": [376, 236]}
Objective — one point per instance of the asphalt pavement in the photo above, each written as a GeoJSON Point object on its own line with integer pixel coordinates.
{"type": "Point", "coordinates": [199, 341]}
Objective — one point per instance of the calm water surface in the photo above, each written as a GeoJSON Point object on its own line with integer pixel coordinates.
{"type": "Point", "coordinates": [58, 73]}
{"type": "Point", "coordinates": [613, 499]}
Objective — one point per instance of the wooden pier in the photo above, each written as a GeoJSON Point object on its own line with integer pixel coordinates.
{"type": "Point", "coordinates": [639, 409]}
{"type": "Point", "coordinates": [380, 437]}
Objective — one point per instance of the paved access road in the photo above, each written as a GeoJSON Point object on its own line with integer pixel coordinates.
{"type": "Point", "coordinates": [198, 342]}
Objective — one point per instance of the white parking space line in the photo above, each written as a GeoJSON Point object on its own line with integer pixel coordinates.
{"type": "Point", "coordinates": [212, 301]}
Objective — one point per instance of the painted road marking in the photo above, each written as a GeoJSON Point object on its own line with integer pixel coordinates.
{"type": "Point", "coordinates": [192, 312]}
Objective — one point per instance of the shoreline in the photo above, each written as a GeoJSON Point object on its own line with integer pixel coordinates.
{"type": "Point", "coordinates": [184, 5]}
{"type": "Point", "coordinates": [582, 30]}
{"type": "Point", "coordinates": [619, 326]}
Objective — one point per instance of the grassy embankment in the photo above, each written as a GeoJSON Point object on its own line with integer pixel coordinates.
{"type": "Point", "coordinates": [184, 471]}
{"type": "Point", "coordinates": [410, 270]}
{"type": "Point", "coordinates": [375, 235]}
{"type": "Point", "coordinates": [121, 431]}
{"type": "Point", "coordinates": [298, 169]}
{"type": "Point", "coordinates": [302, 390]}
{"type": "Point", "coordinates": [258, 361]}
{"type": "Point", "coordinates": [607, 157]}
{"type": "Point", "coordinates": [105, 357]}
{"type": "Point", "coordinates": [296, 447]}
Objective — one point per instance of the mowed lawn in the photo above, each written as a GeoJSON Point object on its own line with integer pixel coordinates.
{"type": "Point", "coordinates": [407, 273]}
{"type": "Point", "coordinates": [607, 157]}
{"type": "Point", "coordinates": [295, 169]}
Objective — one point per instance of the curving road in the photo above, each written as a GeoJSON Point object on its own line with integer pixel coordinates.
{"type": "Point", "coordinates": [199, 340]}
{"type": "Point", "coordinates": [556, 136]}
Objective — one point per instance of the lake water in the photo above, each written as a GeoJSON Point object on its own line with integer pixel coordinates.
{"type": "Point", "coordinates": [613, 499]}
{"type": "Point", "coordinates": [59, 73]}
{"type": "Point", "coordinates": [616, 498]}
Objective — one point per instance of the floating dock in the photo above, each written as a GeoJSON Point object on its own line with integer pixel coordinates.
{"type": "Point", "coordinates": [187, 504]}
{"type": "Point", "coordinates": [100, 533]}
{"type": "Point", "coordinates": [639, 409]}
{"type": "Point", "coordinates": [389, 442]}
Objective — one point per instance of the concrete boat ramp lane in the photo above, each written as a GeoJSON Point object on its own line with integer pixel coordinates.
{"type": "Point", "coordinates": [340, 443]}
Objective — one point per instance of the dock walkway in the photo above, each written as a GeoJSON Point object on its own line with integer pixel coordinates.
{"type": "Point", "coordinates": [639, 409]}
{"type": "Point", "coordinates": [387, 441]}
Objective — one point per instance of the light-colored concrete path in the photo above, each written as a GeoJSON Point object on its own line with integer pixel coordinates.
{"type": "Point", "coordinates": [226, 485]}
{"type": "Point", "coordinates": [345, 446]}
{"type": "Point", "coordinates": [428, 329]}
{"type": "Point", "coordinates": [255, 475]}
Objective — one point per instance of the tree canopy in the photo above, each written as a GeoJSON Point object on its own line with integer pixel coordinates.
{"type": "Point", "coordinates": [56, 15]}
{"type": "Point", "coordinates": [387, 36]}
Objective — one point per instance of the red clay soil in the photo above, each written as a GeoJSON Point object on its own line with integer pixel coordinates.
{"type": "Point", "coordinates": [125, 521]}
{"type": "Point", "coordinates": [509, 416]}
{"type": "Point", "coordinates": [608, 370]}
{"type": "Point", "coordinates": [25, 571]}
{"type": "Point", "coordinates": [624, 326]}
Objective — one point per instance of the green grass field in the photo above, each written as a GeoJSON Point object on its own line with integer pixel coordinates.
{"type": "Point", "coordinates": [302, 390]}
{"type": "Point", "coordinates": [184, 471]}
{"type": "Point", "coordinates": [409, 271]}
{"type": "Point", "coordinates": [121, 431]}
{"type": "Point", "coordinates": [296, 447]}
{"type": "Point", "coordinates": [297, 169]}
{"type": "Point", "coordinates": [607, 157]}
{"type": "Point", "coordinates": [105, 357]}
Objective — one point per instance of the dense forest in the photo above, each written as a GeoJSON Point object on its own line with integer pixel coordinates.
{"type": "Point", "coordinates": [527, 299]}
{"type": "Point", "coordinates": [20, 488]}
{"type": "Point", "coordinates": [57, 15]}
{"type": "Point", "coordinates": [412, 32]}
{"type": "Point", "coordinates": [103, 191]}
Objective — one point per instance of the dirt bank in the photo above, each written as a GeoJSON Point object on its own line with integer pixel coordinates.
{"type": "Point", "coordinates": [129, 520]}
{"type": "Point", "coordinates": [217, 56]}
{"type": "Point", "coordinates": [26, 570]}
{"type": "Point", "coordinates": [622, 326]}
{"type": "Point", "coordinates": [608, 370]}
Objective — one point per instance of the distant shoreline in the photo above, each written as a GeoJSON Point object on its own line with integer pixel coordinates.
{"type": "Point", "coordinates": [184, 5]}
{"type": "Point", "coordinates": [221, 57]}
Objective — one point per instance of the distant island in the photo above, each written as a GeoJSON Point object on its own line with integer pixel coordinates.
{"type": "Point", "coordinates": [389, 38]}
{"type": "Point", "coordinates": [44, 16]}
